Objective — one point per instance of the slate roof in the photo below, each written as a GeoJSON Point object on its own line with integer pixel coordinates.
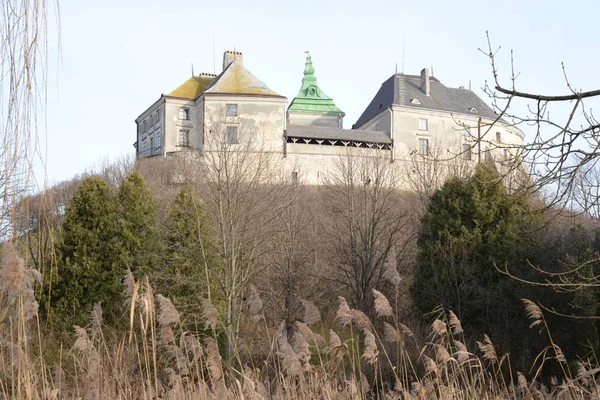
{"type": "Point", "coordinates": [401, 89]}
{"type": "Point", "coordinates": [326, 133]}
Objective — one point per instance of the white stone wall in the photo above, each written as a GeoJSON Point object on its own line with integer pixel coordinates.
{"type": "Point", "coordinates": [150, 130]}
{"type": "Point", "coordinates": [332, 121]}
{"type": "Point", "coordinates": [174, 124]}
{"type": "Point", "coordinates": [447, 131]}
{"type": "Point", "coordinates": [260, 120]}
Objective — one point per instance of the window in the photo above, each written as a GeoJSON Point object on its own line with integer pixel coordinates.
{"type": "Point", "coordinates": [466, 152]}
{"type": "Point", "coordinates": [423, 125]}
{"type": "Point", "coordinates": [157, 116]}
{"type": "Point", "coordinates": [232, 134]}
{"type": "Point", "coordinates": [158, 138]}
{"type": "Point", "coordinates": [295, 177]}
{"type": "Point", "coordinates": [466, 133]}
{"type": "Point", "coordinates": [144, 127]}
{"type": "Point", "coordinates": [424, 147]}
{"type": "Point", "coordinates": [144, 145]}
{"type": "Point", "coordinates": [184, 138]}
{"type": "Point", "coordinates": [473, 110]}
{"type": "Point", "coordinates": [505, 151]}
{"type": "Point", "coordinates": [415, 101]}
{"type": "Point", "coordinates": [151, 144]}
{"type": "Point", "coordinates": [231, 110]}
{"type": "Point", "coordinates": [498, 137]}
{"type": "Point", "coordinates": [184, 113]}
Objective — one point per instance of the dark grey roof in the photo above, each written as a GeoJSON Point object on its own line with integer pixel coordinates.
{"type": "Point", "coordinates": [326, 133]}
{"type": "Point", "coordinates": [401, 89]}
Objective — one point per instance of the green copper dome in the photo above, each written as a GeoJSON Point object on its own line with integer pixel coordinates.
{"type": "Point", "coordinates": [311, 99]}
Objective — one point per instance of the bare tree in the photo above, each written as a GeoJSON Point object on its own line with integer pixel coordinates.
{"type": "Point", "coordinates": [245, 195]}
{"type": "Point", "coordinates": [565, 129]}
{"type": "Point", "coordinates": [23, 77]}
{"type": "Point", "coordinates": [425, 173]}
{"type": "Point", "coordinates": [113, 170]}
{"type": "Point", "coordinates": [366, 219]}
{"type": "Point", "coordinates": [294, 271]}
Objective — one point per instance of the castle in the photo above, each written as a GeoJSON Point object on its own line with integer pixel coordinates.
{"type": "Point", "coordinates": [410, 115]}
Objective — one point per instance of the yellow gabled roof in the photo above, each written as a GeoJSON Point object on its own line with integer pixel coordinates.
{"type": "Point", "coordinates": [238, 80]}
{"type": "Point", "coordinates": [192, 88]}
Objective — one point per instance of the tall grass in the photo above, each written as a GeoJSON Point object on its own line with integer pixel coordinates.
{"type": "Point", "coordinates": [152, 356]}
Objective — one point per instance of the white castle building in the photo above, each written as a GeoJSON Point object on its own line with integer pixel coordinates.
{"type": "Point", "coordinates": [410, 115]}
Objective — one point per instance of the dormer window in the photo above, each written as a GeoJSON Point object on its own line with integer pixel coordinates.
{"type": "Point", "coordinates": [415, 101]}
{"type": "Point", "coordinates": [184, 114]}
{"type": "Point", "coordinates": [473, 110]}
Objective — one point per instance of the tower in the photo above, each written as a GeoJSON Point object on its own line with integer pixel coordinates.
{"type": "Point", "coordinates": [312, 106]}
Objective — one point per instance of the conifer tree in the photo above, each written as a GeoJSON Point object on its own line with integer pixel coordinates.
{"type": "Point", "coordinates": [138, 227]}
{"type": "Point", "coordinates": [191, 252]}
{"type": "Point", "coordinates": [90, 267]}
{"type": "Point", "coordinates": [470, 228]}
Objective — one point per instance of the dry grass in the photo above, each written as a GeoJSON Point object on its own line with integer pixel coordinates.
{"type": "Point", "coordinates": [155, 359]}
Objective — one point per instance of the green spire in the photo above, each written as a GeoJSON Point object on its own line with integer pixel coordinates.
{"type": "Point", "coordinates": [311, 98]}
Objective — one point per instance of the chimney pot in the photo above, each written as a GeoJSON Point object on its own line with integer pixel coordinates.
{"type": "Point", "coordinates": [425, 84]}
{"type": "Point", "coordinates": [230, 56]}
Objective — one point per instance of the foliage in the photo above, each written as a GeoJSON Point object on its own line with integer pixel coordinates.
{"type": "Point", "coordinates": [191, 252]}
{"type": "Point", "coordinates": [91, 264]}
{"type": "Point", "coordinates": [563, 251]}
{"type": "Point", "coordinates": [470, 227]}
{"type": "Point", "coordinates": [138, 229]}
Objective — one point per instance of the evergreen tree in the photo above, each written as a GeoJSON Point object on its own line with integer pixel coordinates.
{"type": "Point", "coordinates": [90, 267]}
{"type": "Point", "coordinates": [565, 250]}
{"type": "Point", "coordinates": [192, 254]}
{"type": "Point", "coordinates": [138, 227]}
{"type": "Point", "coordinates": [470, 227]}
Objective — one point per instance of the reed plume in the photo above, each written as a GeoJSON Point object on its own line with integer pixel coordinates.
{"type": "Point", "coordinates": [311, 312]}
{"type": "Point", "coordinates": [455, 324]}
{"type": "Point", "coordinates": [361, 321]}
{"type": "Point", "coordinates": [168, 314]}
{"type": "Point", "coordinates": [215, 367]}
{"type": "Point", "coordinates": [343, 315]}
{"type": "Point", "coordinates": [390, 334]}
{"type": "Point", "coordinates": [210, 313]}
{"type": "Point", "coordinates": [439, 327]}
{"type": "Point", "coordinates": [533, 312]}
{"type": "Point", "coordinates": [487, 348]}
{"type": "Point", "coordinates": [253, 301]}
{"type": "Point", "coordinates": [370, 353]}
{"type": "Point", "coordinates": [382, 305]}
{"type": "Point", "coordinates": [334, 340]}
{"type": "Point", "coordinates": [289, 360]}
{"type": "Point", "coordinates": [390, 273]}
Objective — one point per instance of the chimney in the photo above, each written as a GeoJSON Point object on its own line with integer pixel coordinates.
{"type": "Point", "coordinates": [207, 75]}
{"type": "Point", "coordinates": [425, 81]}
{"type": "Point", "coordinates": [229, 56]}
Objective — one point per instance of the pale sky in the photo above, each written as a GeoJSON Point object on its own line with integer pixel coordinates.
{"type": "Point", "coordinates": [118, 57]}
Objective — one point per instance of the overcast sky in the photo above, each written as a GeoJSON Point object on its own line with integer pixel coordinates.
{"type": "Point", "coordinates": [118, 57]}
